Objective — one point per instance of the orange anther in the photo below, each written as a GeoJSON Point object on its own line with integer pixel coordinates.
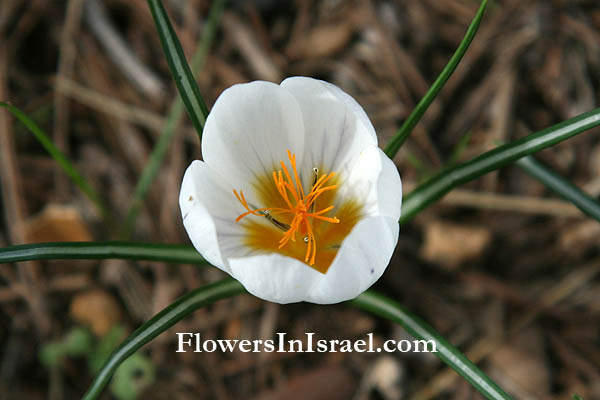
{"type": "Point", "coordinates": [303, 215]}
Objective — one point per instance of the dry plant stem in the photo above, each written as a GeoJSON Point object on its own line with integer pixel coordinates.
{"type": "Point", "coordinates": [65, 283]}
{"type": "Point", "coordinates": [169, 213]}
{"type": "Point", "coordinates": [573, 359]}
{"type": "Point", "coordinates": [170, 128]}
{"type": "Point", "coordinates": [6, 12]}
{"type": "Point", "coordinates": [445, 181]}
{"type": "Point", "coordinates": [14, 209]}
{"type": "Point", "coordinates": [267, 330]}
{"type": "Point", "coordinates": [501, 120]}
{"type": "Point", "coordinates": [135, 70]}
{"type": "Point", "coordinates": [485, 346]}
{"type": "Point", "coordinates": [405, 73]}
{"type": "Point", "coordinates": [495, 23]}
{"type": "Point", "coordinates": [511, 203]}
{"type": "Point", "coordinates": [506, 203]}
{"type": "Point", "coordinates": [108, 105]}
{"type": "Point", "coordinates": [249, 46]}
{"type": "Point", "coordinates": [388, 47]}
{"type": "Point", "coordinates": [65, 68]}
{"type": "Point", "coordinates": [403, 133]}
{"type": "Point", "coordinates": [493, 84]}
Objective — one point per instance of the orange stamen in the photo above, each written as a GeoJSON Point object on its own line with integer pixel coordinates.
{"type": "Point", "coordinates": [300, 207]}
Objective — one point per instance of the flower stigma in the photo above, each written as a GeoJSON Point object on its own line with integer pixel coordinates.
{"type": "Point", "coordinates": [297, 204]}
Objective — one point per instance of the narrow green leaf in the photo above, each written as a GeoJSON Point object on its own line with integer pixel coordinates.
{"type": "Point", "coordinates": [394, 145]}
{"type": "Point", "coordinates": [58, 156]}
{"type": "Point", "coordinates": [447, 180]}
{"type": "Point", "coordinates": [414, 202]}
{"type": "Point", "coordinates": [173, 119]}
{"type": "Point", "coordinates": [184, 79]}
{"type": "Point", "coordinates": [423, 172]}
{"type": "Point", "coordinates": [101, 250]}
{"type": "Point", "coordinates": [557, 183]}
{"type": "Point", "coordinates": [388, 308]}
{"type": "Point", "coordinates": [162, 321]}
{"type": "Point", "coordinates": [151, 169]}
{"type": "Point", "coordinates": [369, 301]}
{"type": "Point", "coordinates": [460, 147]}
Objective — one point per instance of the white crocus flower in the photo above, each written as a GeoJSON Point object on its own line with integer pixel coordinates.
{"type": "Point", "coordinates": [294, 198]}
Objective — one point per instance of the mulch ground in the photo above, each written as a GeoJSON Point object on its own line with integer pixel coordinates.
{"type": "Point", "coordinates": [501, 267]}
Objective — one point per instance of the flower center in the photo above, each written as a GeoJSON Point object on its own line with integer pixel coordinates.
{"type": "Point", "coordinates": [300, 205]}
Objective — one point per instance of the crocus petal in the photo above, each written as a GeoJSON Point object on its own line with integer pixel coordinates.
{"type": "Point", "coordinates": [336, 126]}
{"type": "Point", "coordinates": [372, 178]}
{"type": "Point", "coordinates": [275, 277]}
{"type": "Point", "coordinates": [208, 210]}
{"type": "Point", "coordinates": [249, 130]}
{"type": "Point", "coordinates": [359, 263]}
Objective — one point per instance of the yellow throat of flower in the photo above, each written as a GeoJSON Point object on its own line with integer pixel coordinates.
{"type": "Point", "coordinates": [293, 211]}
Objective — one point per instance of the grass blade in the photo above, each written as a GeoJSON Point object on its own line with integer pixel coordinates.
{"type": "Point", "coordinates": [101, 250]}
{"type": "Point", "coordinates": [162, 321]}
{"type": "Point", "coordinates": [387, 308]}
{"type": "Point", "coordinates": [59, 157]}
{"type": "Point", "coordinates": [394, 145]}
{"type": "Point", "coordinates": [558, 184]}
{"type": "Point", "coordinates": [175, 113]}
{"type": "Point", "coordinates": [184, 79]}
{"type": "Point", "coordinates": [446, 180]}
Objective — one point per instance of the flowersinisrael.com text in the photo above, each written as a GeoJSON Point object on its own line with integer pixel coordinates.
{"type": "Point", "coordinates": [188, 341]}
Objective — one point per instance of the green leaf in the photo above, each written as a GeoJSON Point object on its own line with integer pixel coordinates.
{"type": "Point", "coordinates": [77, 342]}
{"type": "Point", "coordinates": [102, 250]}
{"type": "Point", "coordinates": [369, 301]}
{"type": "Point", "coordinates": [175, 113]}
{"type": "Point", "coordinates": [404, 132]}
{"type": "Point", "coordinates": [558, 184]}
{"type": "Point", "coordinates": [162, 321]}
{"type": "Point", "coordinates": [184, 79]}
{"type": "Point", "coordinates": [132, 377]}
{"type": "Point", "coordinates": [58, 156]}
{"type": "Point", "coordinates": [447, 180]}
{"type": "Point", "coordinates": [105, 346]}
{"type": "Point", "coordinates": [388, 308]}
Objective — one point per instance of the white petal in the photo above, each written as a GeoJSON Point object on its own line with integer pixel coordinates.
{"type": "Point", "coordinates": [373, 178]}
{"type": "Point", "coordinates": [208, 210]}
{"type": "Point", "coordinates": [354, 107]}
{"type": "Point", "coordinates": [249, 130]}
{"type": "Point", "coordinates": [389, 188]}
{"type": "Point", "coordinates": [336, 126]}
{"type": "Point", "coordinates": [275, 277]}
{"type": "Point", "coordinates": [360, 262]}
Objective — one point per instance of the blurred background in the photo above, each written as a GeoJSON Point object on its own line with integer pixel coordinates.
{"type": "Point", "coordinates": [502, 268]}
